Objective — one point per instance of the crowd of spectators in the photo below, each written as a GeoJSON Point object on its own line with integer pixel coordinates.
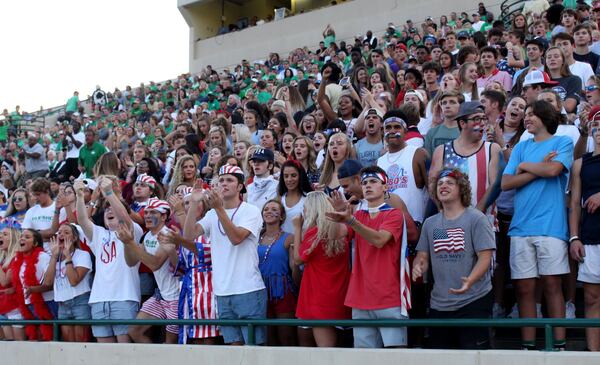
{"type": "Point", "coordinates": [411, 174]}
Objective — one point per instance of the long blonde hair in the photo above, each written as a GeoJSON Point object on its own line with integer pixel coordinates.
{"type": "Point", "coordinates": [7, 256]}
{"type": "Point", "coordinates": [317, 204]}
{"type": "Point", "coordinates": [329, 165]}
{"type": "Point", "coordinates": [178, 174]}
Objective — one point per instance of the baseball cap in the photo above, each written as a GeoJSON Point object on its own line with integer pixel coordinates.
{"type": "Point", "coordinates": [430, 38]}
{"type": "Point", "coordinates": [228, 169]}
{"type": "Point", "coordinates": [349, 168]}
{"type": "Point", "coordinates": [263, 154]}
{"type": "Point", "coordinates": [90, 183]}
{"type": "Point", "coordinates": [373, 111]}
{"type": "Point", "coordinates": [594, 113]}
{"type": "Point", "coordinates": [536, 76]}
{"type": "Point", "coordinates": [462, 34]}
{"type": "Point", "coordinates": [146, 179]}
{"type": "Point", "coordinates": [158, 205]}
{"type": "Point", "coordinates": [468, 108]}
{"type": "Point", "coordinates": [278, 103]}
{"type": "Point", "coordinates": [401, 46]}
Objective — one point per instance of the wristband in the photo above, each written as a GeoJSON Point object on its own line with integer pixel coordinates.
{"type": "Point", "coordinates": [108, 193]}
{"type": "Point", "coordinates": [351, 221]}
{"type": "Point", "coordinates": [68, 262]}
{"type": "Point", "coordinates": [574, 238]}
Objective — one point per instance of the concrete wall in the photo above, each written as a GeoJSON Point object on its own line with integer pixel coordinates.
{"type": "Point", "coordinates": [348, 19]}
{"type": "Point", "coordinates": [106, 354]}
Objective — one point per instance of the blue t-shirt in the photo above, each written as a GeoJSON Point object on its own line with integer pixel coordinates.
{"type": "Point", "coordinates": [367, 153]}
{"type": "Point", "coordinates": [540, 205]}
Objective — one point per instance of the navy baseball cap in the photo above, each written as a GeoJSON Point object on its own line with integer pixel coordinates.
{"type": "Point", "coordinates": [349, 168]}
{"type": "Point", "coordinates": [468, 108]}
{"type": "Point", "coordinates": [263, 154]}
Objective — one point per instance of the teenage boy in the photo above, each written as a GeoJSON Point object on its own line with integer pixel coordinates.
{"type": "Point", "coordinates": [583, 39]}
{"type": "Point", "coordinates": [489, 59]}
{"type": "Point", "coordinates": [233, 227]}
{"type": "Point", "coordinates": [535, 52]}
{"type": "Point", "coordinates": [368, 149]}
{"type": "Point", "coordinates": [264, 186]}
{"type": "Point", "coordinates": [116, 288]}
{"type": "Point", "coordinates": [162, 260]}
{"type": "Point", "coordinates": [460, 243]}
{"type": "Point", "coordinates": [41, 215]}
{"type": "Point", "coordinates": [584, 224]}
{"type": "Point", "coordinates": [379, 284]}
{"type": "Point", "coordinates": [538, 169]}
{"type": "Point", "coordinates": [404, 165]}
{"type": "Point", "coordinates": [566, 43]}
{"type": "Point", "coordinates": [476, 159]}
{"type": "Point", "coordinates": [448, 130]}
{"type": "Point", "coordinates": [431, 73]}
{"type": "Point", "coordinates": [493, 104]}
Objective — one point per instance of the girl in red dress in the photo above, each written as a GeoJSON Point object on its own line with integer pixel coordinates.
{"type": "Point", "coordinates": [323, 247]}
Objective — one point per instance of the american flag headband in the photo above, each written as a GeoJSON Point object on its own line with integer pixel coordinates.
{"type": "Point", "coordinates": [377, 175]}
{"type": "Point", "coordinates": [395, 119]}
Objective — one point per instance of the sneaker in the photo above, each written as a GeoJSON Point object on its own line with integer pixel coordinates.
{"type": "Point", "coordinates": [498, 311]}
{"type": "Point", "coordinates": [538, 310]}
{"type": "Point", "coordinates": [514, 312]}
{"type": "Point", "coordinates": [570, 310]}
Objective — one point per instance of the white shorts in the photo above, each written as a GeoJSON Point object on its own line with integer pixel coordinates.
{"type": "Point", "coordinates": [533, 256]}
{"type": "Point", "coordinates": [376, 337]}
{"type": "Point", "coordinates": [589, 269]}
{"type": "Point", "coordinates": [15, 314]}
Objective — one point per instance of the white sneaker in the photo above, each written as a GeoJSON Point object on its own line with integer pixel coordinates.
{"type": "Point", "coordinates": [538, 310]}
{"type": "Point", "coordinates": [570, 310]}
{"type": "Point", "coordinates": [498, 311]}
{"type": "Point", "coordinates": [514, 312]}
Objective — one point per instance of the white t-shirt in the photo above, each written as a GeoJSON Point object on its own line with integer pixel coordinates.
{"type": "Point", "coordinates": [40, 271]}
{"type": "Point", "coordinates": [74, 151]}
{"type": "Point", "coordinates": [583, 70]}
{"type": "Point", "coordinates": [63, 290]}
{"type": "Point", "coordinates": [39, 218]}
{"type": "Point", "coordinates": [291, 213]}
{"type": "Point", "coordinates": [114, 279]}
{"type": "Point", "coordinates": [235, 268]}
{"type": "Point", "coordinates": [167, 283]}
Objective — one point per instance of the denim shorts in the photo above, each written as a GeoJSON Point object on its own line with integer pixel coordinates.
{"type": "Point", "coordinates": [251, 305]}
{"type": "Point", "coordinates": [76, 308]}
{"type": "Point", "coordinates": [52, 306]}
{"type": "Point", "coordinates": [113, 310]}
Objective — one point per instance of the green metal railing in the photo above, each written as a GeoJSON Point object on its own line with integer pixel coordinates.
{"type": "Point", "coordinates": [548, 324]}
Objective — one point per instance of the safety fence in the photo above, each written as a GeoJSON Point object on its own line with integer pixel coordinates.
{"type": "Point", "coordinates": [548, 324]}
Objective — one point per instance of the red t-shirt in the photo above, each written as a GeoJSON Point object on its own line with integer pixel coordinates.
{"type": "Point", "coordinates": [324, 282]}
{"type": "Point", "coordinates": [375, 279]}
{"type": "Point", "coordinates": [8, 302]}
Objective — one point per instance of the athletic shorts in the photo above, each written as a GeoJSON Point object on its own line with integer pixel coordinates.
{"type": "Point", "coordinates": [533, 256]}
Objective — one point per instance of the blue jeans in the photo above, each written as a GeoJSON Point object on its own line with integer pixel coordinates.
{"type": "Point", "coordinates": [251, 305]}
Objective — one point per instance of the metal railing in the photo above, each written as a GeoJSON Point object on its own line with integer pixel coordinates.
{"type": "Point", "coordinates": [508, 8]}
{"type": "Point", "coordinates": [548, 324]}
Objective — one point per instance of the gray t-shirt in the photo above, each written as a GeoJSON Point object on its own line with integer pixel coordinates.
{"type": "Point", "coordinates": [452, 246]}
{"type": "Point", "coordinates": [35, 164]}
{"type": "Point", "coordinates": [368, 153]}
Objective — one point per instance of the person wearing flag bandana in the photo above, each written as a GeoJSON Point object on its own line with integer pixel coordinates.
{"type": "Point", "coordinates": [460, 243]}
{"type": "Point", "coordinates": [380, 281]}
{"type": "Point", "coordinates": [161, 259]}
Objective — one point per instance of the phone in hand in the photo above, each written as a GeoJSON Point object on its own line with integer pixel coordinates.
{"type": "Point", "coordinates": [345, 81]}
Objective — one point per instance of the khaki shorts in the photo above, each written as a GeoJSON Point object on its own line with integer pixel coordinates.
{"type": "Point", "coordinates": [533, 256]}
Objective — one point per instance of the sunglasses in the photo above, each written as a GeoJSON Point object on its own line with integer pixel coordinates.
{"type": "Point", "coordinates": [591, 88]}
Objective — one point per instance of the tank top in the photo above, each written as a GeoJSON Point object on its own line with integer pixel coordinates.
{"type": "Point", "coordinates": [401, 180]}
{"type": "Point", "coordinates": [274, 266]}
{"type": "Point", "coordinates": [476, 167]}
{"type": "Point", "coordinates": [590, 185]}
{"type": "Point", "coordinates": [291, 213]}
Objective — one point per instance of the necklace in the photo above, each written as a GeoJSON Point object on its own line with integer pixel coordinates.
{"type": "Point", "coordinates": [268, 251]}
{"type": "Point", "coordinates": [60, 266]}
{"type": "Point", "coordinates": [395, 159]}
{"type": "Point", "coordinates": [232, 216]}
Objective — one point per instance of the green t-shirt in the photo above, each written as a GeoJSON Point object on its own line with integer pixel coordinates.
{"type": "Point", "coordinates": [264, 97]}
{"type": "Point", "coordinates": [4, 132]}
{"type": "Point", "coordinates": [89, 155]}
{"type": "Point", "coordinates": [149, 139]}
{"type": "Point", "coordinates": [438, 136]}
{"type": "Point", "coordinates": [72, 104]}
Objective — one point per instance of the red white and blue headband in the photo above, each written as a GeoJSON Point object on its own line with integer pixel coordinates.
{"type": "Point", "coordinates": [395, 119]}
{"type": "Point", "coordinates": [160, 206]}
{"type": "Point", "coordinates": [376, 175]}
